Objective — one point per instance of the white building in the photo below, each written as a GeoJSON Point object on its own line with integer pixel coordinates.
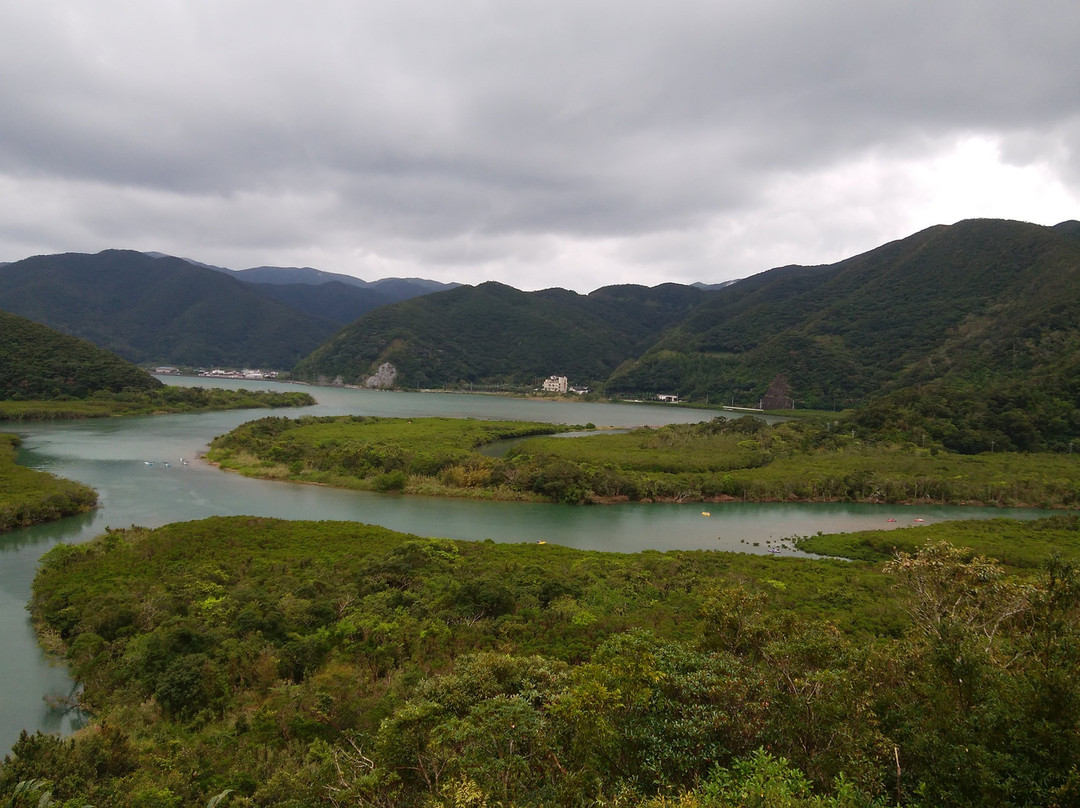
{"type": "Point", "coordinates": [555, 384]}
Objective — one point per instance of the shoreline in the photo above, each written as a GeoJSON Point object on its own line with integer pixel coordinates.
{"type": "Point", "coordinates": [492, 495]}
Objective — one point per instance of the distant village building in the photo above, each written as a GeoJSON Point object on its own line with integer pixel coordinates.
{"type": "Point", "coordinates": [247, 373]}
{"type": "Point", "coordinates": [671, 397]}
{"type": "Point", "coordinates": [555, 384]}
{"type": "Point", "coordinates": [166, 371]}
{"type": "Point", "coordinates": [581, 391]}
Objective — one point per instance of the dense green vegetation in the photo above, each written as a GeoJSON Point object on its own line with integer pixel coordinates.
{"type": "Point", "coordinates": [807, 461]}
{"type": "Point", "coordinates": [1020, 545]}
{"type": "Point", "coordinates": [721, 459]}
{"type": "Point", "coordinates": [37, 362]}
{"type": "Point", "coordinates": [978, 302]}
{"type": "Point", "coordinates": [987, 305]}
{"type": "Point", "coordinates": [28, 497]}
{"type": "Point", "coordinates": [1013, 415]}
{"type": "Point", "coordinates": [495, 335]}
{"type": "Point", "coordinates": [304, 664]}
{"type": "Point", "coordinates": [160, 310]}
{"type": "Point", "coordinates": [166, 399]}
{"type": "Point", "coordinates": [384, 454]}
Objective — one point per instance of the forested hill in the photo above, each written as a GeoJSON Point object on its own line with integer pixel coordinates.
{"type": "Point", "coordinates": [976, 303]}
{"type": "Point", "coordinates": [160, 310]}
{"type": "Point", "coordinates": [966, 304]}
{"type": "Point", "coordinates": [494, 334]}
{"type": "Point", "coordinates": [37, 362]}
{"type": "Point", "coordinates": [341, 298]}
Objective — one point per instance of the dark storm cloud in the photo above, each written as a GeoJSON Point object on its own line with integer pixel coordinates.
{"type": "Point", "coordinates": [509, 139]}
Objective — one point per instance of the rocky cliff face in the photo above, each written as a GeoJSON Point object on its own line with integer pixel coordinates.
{"type": "Point", "coordinates": [383, 378]}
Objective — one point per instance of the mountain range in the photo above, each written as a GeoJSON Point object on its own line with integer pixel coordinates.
{"type": "Point", "coordinates": [964, 305]}
{"type": "Point", "coordinates": [156, 309]}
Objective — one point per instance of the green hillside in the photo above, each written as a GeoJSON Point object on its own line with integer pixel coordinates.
{"type": "Point", "coordinates": [159, 310]}
{"type": "Point", "coordinates": [37, 362]}
{"type": "Point", "coordinates": [493, 334]}
{"type": "Point", "coordinates": [979, 300]}
{"type": "Point", "coordinates": [334, 300]}
{"type": "Point", "coordinates": [977, 305]}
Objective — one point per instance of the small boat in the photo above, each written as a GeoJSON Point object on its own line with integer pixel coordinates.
{"type": "Point", "coordinates": [706, 513]}
{"type": "Point", "coordinates": [541, 542]}
{"type": "Point", "coordinates": [890, 519]}
{"type": "Point", "coordinates": [774, 550]}
{"type": "Point", "coordinates": [918, 520]}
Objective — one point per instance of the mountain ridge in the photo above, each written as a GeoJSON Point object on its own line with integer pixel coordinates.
{"type": "Point", "coordinates": [494, 334]}
{"type": "Point", "coordinates": [907, 312]}
{"type": "Point", "coordinates": [866, 324]}
{"type": "Point", "coordinates": [159, 310]}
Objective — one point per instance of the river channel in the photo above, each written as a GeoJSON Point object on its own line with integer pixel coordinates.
{"type": "Point", "coordinates": [113, 455]}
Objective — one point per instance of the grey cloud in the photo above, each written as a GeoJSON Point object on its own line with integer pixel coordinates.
{"type": "Point", "coordinates": [425, 128]}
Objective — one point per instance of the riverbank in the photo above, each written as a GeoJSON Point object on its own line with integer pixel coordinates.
{"type": "Point", "coordinates": [29, 497]}
{"type": "Point", "coordinates": [165, 401]}
{"type": "Point", "coordinates": [743, 460]}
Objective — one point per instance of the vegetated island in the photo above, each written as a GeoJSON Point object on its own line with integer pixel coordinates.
{"type": "Point", "coordinates": [333, 663]}
{"type": "Point", "coordinates": [741, 459]}
{"type": "Point", "coordinates": [413, 455]}
{"type": "Point", "coordinates": [28, 497]}
{"type": "Point", "coordinates": [162, 401]}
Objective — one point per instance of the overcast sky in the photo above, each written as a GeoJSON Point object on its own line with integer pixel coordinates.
{"type": "Point", "coordinates": [552, 143]}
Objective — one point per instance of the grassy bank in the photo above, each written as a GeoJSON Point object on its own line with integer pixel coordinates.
{"type": "Point", "coordinates": [1020, 545]}
{"type": "Point", "coordinates": [29, 497]}
{"type": "Point", "coordinates": [422, 455]}
{"type": "Point", "coordinates": [149, 402]}
{"type": "Point", "coordinates": [742, 459]}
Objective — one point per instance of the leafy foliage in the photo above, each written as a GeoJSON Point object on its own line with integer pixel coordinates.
{"type": "Point", "coordinates": [1011, 415]}
{"type": "Point", "coordinates": [336, 663]}
{"type": "Point", "coordinates": [1021, 546]}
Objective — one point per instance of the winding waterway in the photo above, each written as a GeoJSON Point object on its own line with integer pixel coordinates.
{"type": "Point", "coordinates": [112, 456]}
